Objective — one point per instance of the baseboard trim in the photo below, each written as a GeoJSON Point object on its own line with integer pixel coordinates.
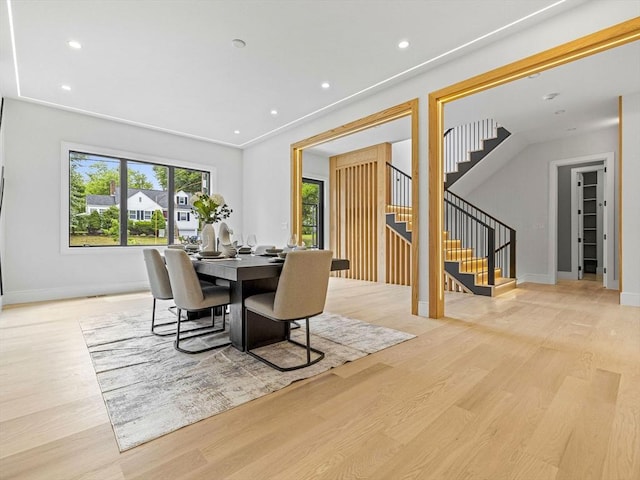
{"type": "Point", "coordinates": [43, 295]}
{"type": "Point", "coordinates": [630, 299]}
{"type": "Point", "coordinates": [535, 278]}
{"type": "Point", "coordinates": [423, 309]}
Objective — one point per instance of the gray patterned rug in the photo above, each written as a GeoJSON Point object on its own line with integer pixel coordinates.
{"type": "Point", "coordinates": [150, 389]}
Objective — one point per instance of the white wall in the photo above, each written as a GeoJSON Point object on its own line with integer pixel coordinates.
{"type": "Point", "coordinates": [317, 167]}
{"type": "Point", "coordinates": [34, 268]}
{"type": "Point", "coordinates": [401, 156]}
{"type": "Point", "coordinates": [2, 216]}
{"type": "Point", "coordinates": [266, 177]}
{"type": "Point", "coordinates": [518, 195]}
{"type": "Point", "coordinates": [630, 294]}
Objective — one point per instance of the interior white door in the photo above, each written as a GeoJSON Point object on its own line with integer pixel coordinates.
{"type": "Point", "coordinates": [580, 239]}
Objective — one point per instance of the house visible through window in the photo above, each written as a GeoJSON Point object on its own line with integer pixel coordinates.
{"type": "Point", "coordinates": [99, 185]}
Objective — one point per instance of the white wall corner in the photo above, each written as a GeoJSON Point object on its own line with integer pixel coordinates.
{"type": "Point", "coordinates": [630, 299]}
{"type": "Point", "coordinates": [423, 309]}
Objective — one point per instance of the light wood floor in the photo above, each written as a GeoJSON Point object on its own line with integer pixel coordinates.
{"type": "Point", "coordinates": [541, 383]}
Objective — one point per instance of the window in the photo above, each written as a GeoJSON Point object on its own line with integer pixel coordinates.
{"type": "Point", "coordinates": [100, 184]}
{"type": "Point", "coordinates": [313, 213]}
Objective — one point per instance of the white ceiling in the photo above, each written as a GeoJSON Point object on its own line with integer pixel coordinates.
{"type": "Point", "coordinates": [587, 100]}
{"type": "Point", "coordinates": [170, 64]}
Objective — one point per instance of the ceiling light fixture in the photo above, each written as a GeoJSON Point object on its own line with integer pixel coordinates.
{"type": "Point", "coordinates": [325, 85]}
{"type": "Point", "coordinates": [571, 129]}
{"type": "Point", "coordinates": [559, 112]}
{"type": "Point", "coordinates": [550, 96]}
{"type": "Point", "coordinates": [238, 43]}
{"type": "Point", "coordinates": [66, 88]}
{"type": "Point", "coordinates": [274, 112]}
{"type": "Point", "coordinates": [403, 44]}
{"type": "Point", "coordinates": [74, 44]}
{"type": "Point", "coordinates": [237, 132]}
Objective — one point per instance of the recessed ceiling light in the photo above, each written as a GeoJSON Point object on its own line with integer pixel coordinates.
{"type": "Point", "coordinates": [66, 88]}
{"type": "Point", "coordinates": [238, 43]}
{"type": "Point", "coordinates": [74, 44]}
{"type": "Point", "coordinates": [325, 85]}
{"type": "Point", "coordinates": [571, 129]}
{"type": "Point", "coordinates": [534, 75]}
{"type": "Point", "coordinates": [274, 112]}
{"type": "Point", "coordinates": [236, 132]}
{"type": "Point", "coordinates": [550, 96]}
{"type": "Point", "coordinates": [559, 112]}
{"type": "Point", "coordinates": [403, 44]}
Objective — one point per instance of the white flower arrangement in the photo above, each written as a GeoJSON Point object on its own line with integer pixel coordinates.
{"type": "Point", "coordinates": [210, 208]}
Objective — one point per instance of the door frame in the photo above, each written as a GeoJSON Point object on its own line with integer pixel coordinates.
{"type": "Point", "coordinates": [406, 109]}
{"type": "Point", "coordinates": [597, 42]}
{"type": "Point", "coordinates": [608, 222]}
{"type": "Point", "coordinates": [322, 202]}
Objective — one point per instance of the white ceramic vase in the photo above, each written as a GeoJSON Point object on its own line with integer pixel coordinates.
{"type": "Point", "coordinates": [208, 237]}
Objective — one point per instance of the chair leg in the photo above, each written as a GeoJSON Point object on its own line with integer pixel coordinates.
{"type": "Point", "coordinates": [179, 338]}
{"type": "Point", "coordinates": [307, 347]}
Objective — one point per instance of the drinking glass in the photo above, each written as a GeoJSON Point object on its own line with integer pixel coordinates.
{"type": "Point", "coordinates": [251, 240]}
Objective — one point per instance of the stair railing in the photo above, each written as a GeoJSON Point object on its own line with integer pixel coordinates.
{"type": "Point", "coordinates": [488, 236]}
{"type": "Point", "coordinates": [461, 140]}
{"type": "Point", "coordinates": [473, 234]}
{"type": "Point", "coordinates": [398, 189]}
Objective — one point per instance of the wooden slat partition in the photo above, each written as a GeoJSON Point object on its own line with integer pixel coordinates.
{"type": "Point", "coordinates": [357, 211]}
{"type": "Point", "coordinates": [398, 262]}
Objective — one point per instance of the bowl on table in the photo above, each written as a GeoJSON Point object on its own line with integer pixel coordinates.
{"type": "Point", "coordinates": [282, 255]}
{"type": "Point", "coordinates": [273, 251]}
{"type": "Point", "coordinates": [244, 250]}
{"type": "Point", "coordinates": [209, 254]}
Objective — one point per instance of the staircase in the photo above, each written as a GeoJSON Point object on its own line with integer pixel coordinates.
{"type": "Point", "coordinates": [466, 145]}
{"type": "Point", "coordinates": [479, 250]}
{"type": "Point", "coordinates": [466, 272]}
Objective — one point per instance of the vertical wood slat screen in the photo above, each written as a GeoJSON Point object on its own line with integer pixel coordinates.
{"type": "Point", "coordinates": [357, 219]}
{"type": "Point", "coordinates": [398, 261]}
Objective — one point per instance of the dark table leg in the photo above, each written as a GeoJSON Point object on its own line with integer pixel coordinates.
{"type": "Point", "coordinates": [263, 331]}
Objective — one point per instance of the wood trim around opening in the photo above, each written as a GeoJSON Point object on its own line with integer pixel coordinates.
{"type": "Point", "coordinates": [409, 108]}
{"type": "Point", "coordinates": [597, 42]}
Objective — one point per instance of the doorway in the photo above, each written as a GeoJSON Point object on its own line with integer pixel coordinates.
{"type": "Point", "coordinates": [313, 213]}
{"type": "Point", "coordinates": [589, 213]}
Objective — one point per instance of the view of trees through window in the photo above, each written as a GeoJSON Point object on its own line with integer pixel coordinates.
{"type": "Point", "coordinates": [312, 212]}
{"type": "Point", "coordinates": [153, 194]}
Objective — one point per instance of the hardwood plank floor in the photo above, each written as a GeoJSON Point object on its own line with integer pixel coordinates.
{"type": "Point", "coordinates": [540, 383]}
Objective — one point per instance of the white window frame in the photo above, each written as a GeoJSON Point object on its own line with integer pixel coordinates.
{"type": "Point", "coordinates": [67, 147]}
{"type": "Point", "coordinates": [186, 216]}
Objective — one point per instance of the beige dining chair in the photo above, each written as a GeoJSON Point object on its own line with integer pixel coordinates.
{"type": "Point", "coordinates": [190, 296]}
{"type": "Point", "coordinates": [301, 294]}
{"type": "Point", "coordinates": [160, 287]}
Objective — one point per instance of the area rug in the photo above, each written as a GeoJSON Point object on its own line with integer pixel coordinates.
{"type": "Point", "coordinates": [150, 389]}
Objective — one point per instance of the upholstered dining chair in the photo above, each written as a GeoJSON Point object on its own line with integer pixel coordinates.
{"type": "Point", "coordinates": [159, 284]}
{"type": "Point", "coordinates": [160, 287]}
{"type": "Point", "coordinates": [300, 294]}
{"type": "Point", "coordinates": [190, 296]}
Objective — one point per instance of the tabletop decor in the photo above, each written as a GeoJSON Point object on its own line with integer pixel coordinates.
{"type": "Point", "coordinates": [210, 209]}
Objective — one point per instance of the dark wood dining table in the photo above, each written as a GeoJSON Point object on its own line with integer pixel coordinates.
{"type": "Point", "coordinates": [249, 275]}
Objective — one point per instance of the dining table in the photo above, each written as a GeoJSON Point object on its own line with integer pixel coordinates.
{"type": "Point", "coordinates": [248, 275]}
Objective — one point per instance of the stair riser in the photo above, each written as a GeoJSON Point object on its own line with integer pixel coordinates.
{"type": "Point", "coordinates": [473, 265]}
{"type": "Point", "coordinates": [461, 254]}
